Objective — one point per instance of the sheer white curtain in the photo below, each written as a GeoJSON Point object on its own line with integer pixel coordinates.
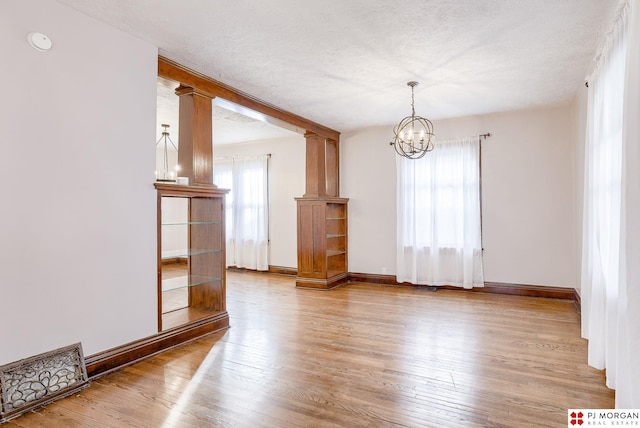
{"type": "Point", "coordinates": [247, 214]}
{"type": "Point", "coordinates": [223, 178]}
{"type": "Point", "coordinates": [438, 216]}
{"type": "Point", "coordinates": [628, 383]}
{"type": "Point", "coordinates": [610, 277]}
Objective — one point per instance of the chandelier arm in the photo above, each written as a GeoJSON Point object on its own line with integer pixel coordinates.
{"type": "Point", "coordinates": [171, 141]}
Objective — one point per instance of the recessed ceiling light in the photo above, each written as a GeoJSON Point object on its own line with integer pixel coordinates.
{"type": "Point", "coordinates": [39, 41]}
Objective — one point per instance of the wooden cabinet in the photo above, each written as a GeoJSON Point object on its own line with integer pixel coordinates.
{"type": "Point", "coordinates": [191, 256]}
{"type": "Point", "coordinates": [322, 242]}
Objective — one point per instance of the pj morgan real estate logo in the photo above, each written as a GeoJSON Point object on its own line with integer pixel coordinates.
{"type": "Point", "coordinates": [603, 417]}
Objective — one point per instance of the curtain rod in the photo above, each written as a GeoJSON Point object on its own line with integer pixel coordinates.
{"type": "Point", "coordinates": [481, 136]}
{"type": "Point", "coordinates": [242, 156]}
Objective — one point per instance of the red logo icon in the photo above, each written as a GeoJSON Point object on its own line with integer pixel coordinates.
{"type": "Point", "coordinates": [576, 418]}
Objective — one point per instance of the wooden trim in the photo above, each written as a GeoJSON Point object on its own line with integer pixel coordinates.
{"type": "Point", "coordinates": [159, 265]}
{"type": "Point", "coordinates": [172, 70]}
{"type": "Point", "coordinates": [277, 270]}
{"type": "Point", "coordinates": [283, 270]}
{"type": "Point", "coordinates": [209, 190]}
{"type": "Point", "coordinates": [330, 199]}
{"type": "Point", "coordinates": [175, 261]}
{"type": "Point", "coordinates": [373, 278]}
{"type": "Point", "coordinates": [489, 287]}
{"type": "Point", "coordinates": [577, 301]}
{"type": "Point", "coordinates": [526, 290]}
{"type": "Point", "coordinates": [322, 283]}
{"type": "Point", "coordinates": [116, 358]}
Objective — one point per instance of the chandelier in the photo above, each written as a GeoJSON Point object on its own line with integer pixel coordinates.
{"type": "Point", "coordinates": [413, 134]}
{"type": "Point", "coordinates": [166, 174]}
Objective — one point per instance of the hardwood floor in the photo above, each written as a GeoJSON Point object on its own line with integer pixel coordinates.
{"type": "Point", "coordinates": [361, 355]}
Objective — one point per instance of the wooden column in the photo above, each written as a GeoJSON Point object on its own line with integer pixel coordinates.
{"type": "Point", "coordinates": [322, 242]}
{"type": "Point", "coordinates": [315, 173]}
{"type": "Point", "coordinates": [322, 218]}
{"type": "Point", "coordinates": [332, 166]}
{"type": "Point", "coordinates": [195, 150]}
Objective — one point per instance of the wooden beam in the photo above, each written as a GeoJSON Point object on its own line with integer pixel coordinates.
{"type": "Point", "coordinates": [176, 72]}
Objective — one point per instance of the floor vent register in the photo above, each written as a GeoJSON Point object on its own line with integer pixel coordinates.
{"type": "Point", "coordinates": [41, 379]}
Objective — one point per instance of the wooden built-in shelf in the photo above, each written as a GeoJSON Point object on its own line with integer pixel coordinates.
{"type": "Point", "coordinates": [322, 242]}
{"type": "Point", "coordinates": [194, 288]}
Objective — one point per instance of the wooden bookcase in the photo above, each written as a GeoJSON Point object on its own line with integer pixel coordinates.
{"type": "Point", "coordinates": [191, 278]}
{"type": "Point", "coordinates": [322, 242]}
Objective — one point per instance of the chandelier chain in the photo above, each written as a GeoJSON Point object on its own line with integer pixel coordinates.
{"type": "Point", "coordinates": [413, 84]}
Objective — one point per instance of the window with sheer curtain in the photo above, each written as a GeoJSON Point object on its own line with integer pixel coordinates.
{"type": "Point", "coordinates": [610, 279]}
{"type": "Point", "coordinates": [247, 209]}
{"type": "Point", "coordinates": [438, 216]}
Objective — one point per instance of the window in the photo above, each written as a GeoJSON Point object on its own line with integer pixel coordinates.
{"type": "Point", "coordinates": [603, 258]}
{"type": "Point", "coordinates": [439, 239]}
{"type": "Point", "coordinates": [247, 209]}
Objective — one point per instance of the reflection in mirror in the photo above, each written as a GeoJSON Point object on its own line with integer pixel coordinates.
{"type": "Point", "coordinates": [174, 253]}
{"type": "Point", "coordinates": [167, 114]}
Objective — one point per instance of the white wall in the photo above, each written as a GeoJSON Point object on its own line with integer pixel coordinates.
{"type": "Point", "coordinates": [528, 195]}
{"type": "Point", "coordinates": [287, 176]}
{"type": "Point", "coordinates": [77, 223]}
{"type": "Point", "coordinates": [368, 179]}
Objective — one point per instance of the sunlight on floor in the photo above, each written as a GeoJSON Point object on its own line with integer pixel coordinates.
{"type": "Point", "coordinates": [177, 412]}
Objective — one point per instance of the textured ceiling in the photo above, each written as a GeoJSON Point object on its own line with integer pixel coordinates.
{"type": "Point", "coordinates": [345, 63]}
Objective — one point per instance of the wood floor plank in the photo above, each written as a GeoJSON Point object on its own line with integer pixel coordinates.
{"type": "Point", "coordinates": [361, 355]}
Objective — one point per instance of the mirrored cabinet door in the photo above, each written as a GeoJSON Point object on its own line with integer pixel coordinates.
{"type": "Point", "coordinates": [191, 254]}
